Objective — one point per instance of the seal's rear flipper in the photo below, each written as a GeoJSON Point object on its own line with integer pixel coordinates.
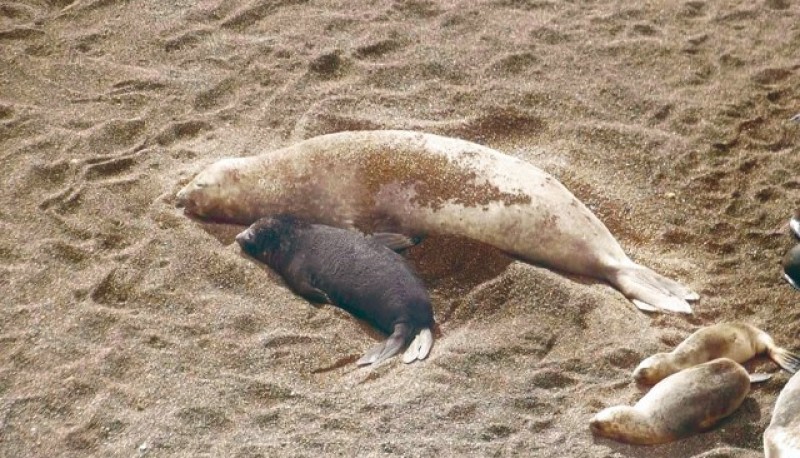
{"type": "Point", "coordinates": [387, 348]}
{"type": "Point", "coordinates": [786, 359]}
{"type": "Point", "coordinates": [651, 291]}
{"type": "Point", "coordinates": [420, 347]}
{"type": "Point", "coordinates": [758, 377]}
{"type": "Point", "coordinates": [395, 242]}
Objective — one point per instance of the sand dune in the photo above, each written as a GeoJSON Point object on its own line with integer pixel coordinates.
{"type": "Point", "coordinates": [127, 329]}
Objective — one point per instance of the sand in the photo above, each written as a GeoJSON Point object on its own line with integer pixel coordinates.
{"type": "Point", "coordinates": [127, 329]}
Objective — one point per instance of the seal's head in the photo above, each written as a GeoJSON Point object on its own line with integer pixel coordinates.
{"type": "Point", "coordinates": [653, 369]}
{"type": "Point", "coordinates": [270, 239]}
{"type": "Point", "coordinates": [791, 267]}
{"type": "Point", "coordinates": [211, 191]}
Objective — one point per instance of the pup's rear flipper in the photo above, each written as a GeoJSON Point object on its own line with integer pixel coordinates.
{"type": "Point", "coordinates": [787, 360]}
{"type": "Point", "coordinates": [651, 291]}
{"type": "Point", "coordinates": [387, 348]}
{"type": "Point", "coordinates": [419, 347]}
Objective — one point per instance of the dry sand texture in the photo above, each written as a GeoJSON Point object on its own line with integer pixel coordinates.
{"type": "Point", "coordinates": [126, 329]}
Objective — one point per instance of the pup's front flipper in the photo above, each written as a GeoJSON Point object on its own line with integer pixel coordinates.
{"type": "Point", "coordinates": [395, 242]}
{"type": "Point", "coordinates": [387, 348]}
{"type": "Point", "coordinates": [311, 293]}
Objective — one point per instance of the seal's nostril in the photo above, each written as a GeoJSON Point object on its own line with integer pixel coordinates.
{"type": "Point", "coordinates": [243, 237]}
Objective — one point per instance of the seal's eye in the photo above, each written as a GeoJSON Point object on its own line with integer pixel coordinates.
{"type": "Point", "coordinates": [201, 185]}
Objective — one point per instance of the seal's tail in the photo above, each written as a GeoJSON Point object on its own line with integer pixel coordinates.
{"type": "Point", "coordinates": [786, 359]}
{"type": "Point", "coordinates": [420, 346]}
{"type": "Point", "coordinates": [652, 292]}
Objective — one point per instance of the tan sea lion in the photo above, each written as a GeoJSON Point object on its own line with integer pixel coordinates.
{"type": "Point", "coordinates": [415, 183]}
{"type": "Point", "coordinates": [683, 404]}
{"type": "Point", "coordinates": [782, 437]}
{"type": "Point", "coordinates": [737, 341]}
{"type": "Point", "coordinates": [359, 274]}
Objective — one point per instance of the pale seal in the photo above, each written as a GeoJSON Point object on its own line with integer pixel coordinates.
{"type": "Point", "coordinates": [685, 403]}
{"type": "Point", "coordinates": [736, 341]}
{"type": "Point", "coordinates": [362, 276]}
{"type": "Point", "coordinates": [415, 184]}
{"type": "Point", "coordinates": [782, 437]}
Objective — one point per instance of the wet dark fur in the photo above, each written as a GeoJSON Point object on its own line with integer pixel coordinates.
{"type": "Point", "coordinates": [358, 274]}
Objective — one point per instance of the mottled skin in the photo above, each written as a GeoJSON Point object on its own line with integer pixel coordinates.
{"type": "Point", "coordinates": [415, 184]}
{"type": "Point", "coordinates": [330, 265]}
{"type": "Point", "coordinates": [782, 437]}
{"type": "Point", "coordinates": [736, 341]}
{"type": "Point", "coordinates": [681, 405]}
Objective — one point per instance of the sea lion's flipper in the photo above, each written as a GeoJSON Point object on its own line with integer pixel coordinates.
{"type": "Point", "coordinates": [387, 348]}
{"type": "Point", "coordinates": [419, 347]}
{"type": "Point", "coordinates": [759, 377]}
{"type": "Point", "coordinates": [651, 291]}
{"type": "Point", "coordinates": [787, 360]}
{"type": "Point", "coordinates": [395, 242]}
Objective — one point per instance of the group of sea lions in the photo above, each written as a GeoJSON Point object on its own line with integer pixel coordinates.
{"type": "Point", "coordinates": [697, 384]}
{"type": "Point", "coordinates": [310, 205]}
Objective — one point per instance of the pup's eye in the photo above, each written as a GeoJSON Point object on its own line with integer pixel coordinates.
{"type": "Point", "coordinates": [201, 185]}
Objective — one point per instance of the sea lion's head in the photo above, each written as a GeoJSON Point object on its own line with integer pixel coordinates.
{"type": "Point", "coordinates": [794, 223]}
{"type": "Point", "coordinates": [653, 369]}
{"type": "Point", "coordinates": [622, 423]}
{"type": "Point", "coordinates": [791, 267]}
{"type": "Point", "coordinates": [212, 190]}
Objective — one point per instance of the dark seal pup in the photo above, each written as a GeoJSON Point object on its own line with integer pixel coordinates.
{"type": "Point", "coordinates": [359, 274]}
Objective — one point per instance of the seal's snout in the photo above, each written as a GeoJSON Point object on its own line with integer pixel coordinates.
{"type": "Point", "coordinates": [596, 426]}
{"type": "Point", "coordinates": [245, 238]}
{"type": "Point", "coordinates": [181, 198]}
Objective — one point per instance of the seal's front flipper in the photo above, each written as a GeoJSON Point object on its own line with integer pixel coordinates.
{"type": "Point", "coordinates": [311, 293]}
{"type": "Point", "coordinates": [387, 348]}
{"type": "Point", "coordinates": [419, 347]}
{"type": "Point", "coordinates": [395, 242]}
{"type": "Point", "coordinates": [651, 291]}
{"type": "Point", "coordinates": [758, 377]}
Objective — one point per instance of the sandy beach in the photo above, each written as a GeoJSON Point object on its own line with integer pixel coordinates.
{"type": "Point", "coordinates": [127, 329]}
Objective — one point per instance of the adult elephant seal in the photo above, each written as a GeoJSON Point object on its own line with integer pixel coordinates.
{"type": "Point", "coordinates": [782, 437]}
{"type": "Point", "coordinates": [682, 404]}
{"type": "Point", "coordinates": [415, 183]}
{"type": "Point", "coordinates": [330, 265]}
{"type": "Point", "coordinates": [736, 341]}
